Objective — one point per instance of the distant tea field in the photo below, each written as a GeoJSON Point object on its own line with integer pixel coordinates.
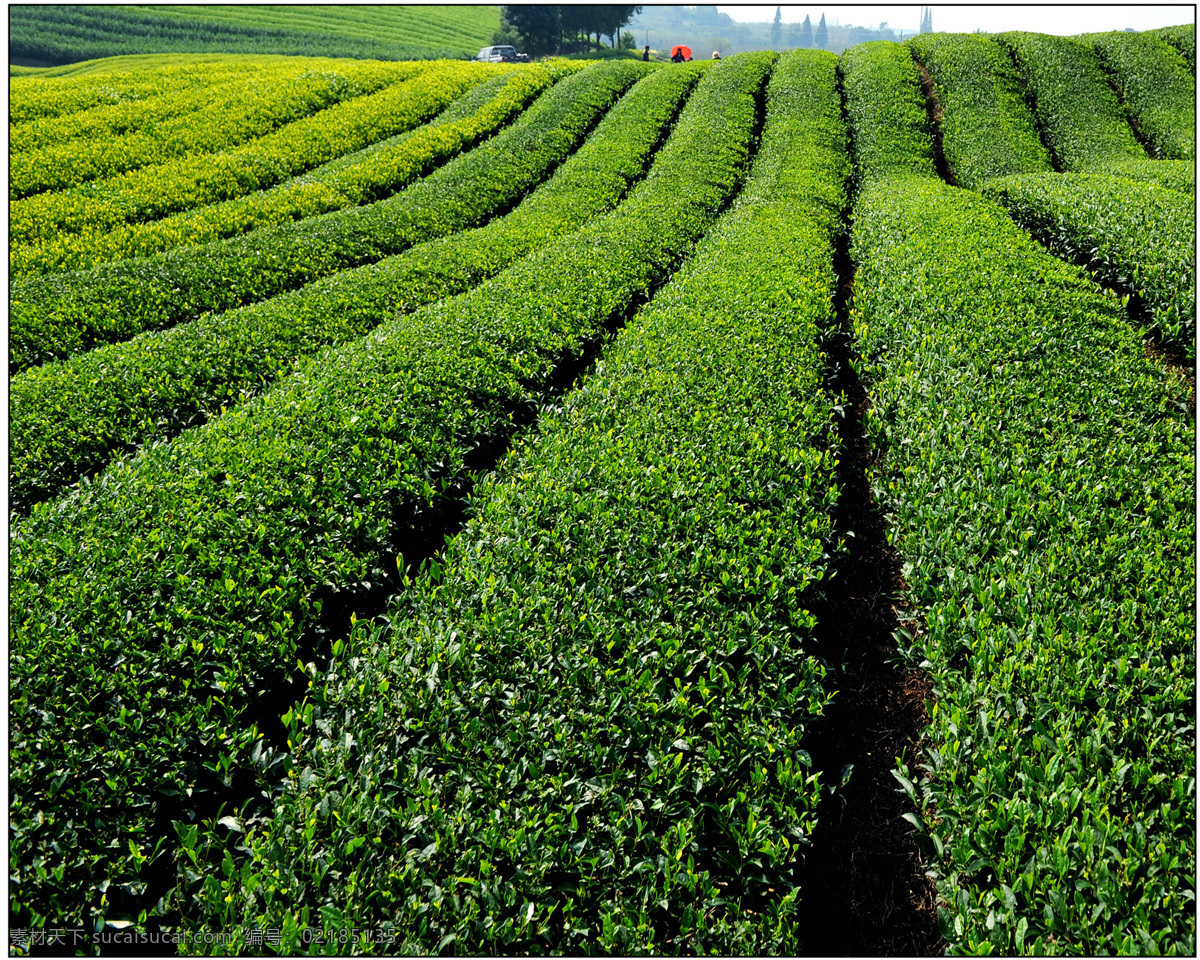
{"type": "Point", "coordinates": [48, 34]}
{"type": "Point", "coordinates": [740, 507]}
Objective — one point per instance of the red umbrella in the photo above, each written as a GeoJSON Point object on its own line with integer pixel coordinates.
{"type": "Point", "coordinates": [679, 48]}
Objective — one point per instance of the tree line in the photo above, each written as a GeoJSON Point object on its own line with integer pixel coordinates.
{"type": "Point", "coordinates": [564, 28]}
{"type": "Point", "coordinates": [541, 29]}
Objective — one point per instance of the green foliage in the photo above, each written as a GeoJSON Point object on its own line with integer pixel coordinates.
{"type": "Point", "coordinates": [1157, 88]}
{"type": "Point", "coordinates": [571, 25]}
{"type": "Point", "coordinates": [187, 94]}
{"type": "Point", "coordinates": [1182, 38]}
{"type": "Point", "coordinates": [235, 114]}
{"type": "Point", "coordinates": [67, 33]}
{"type": "Point", "coordinates": [355, 177]}
{"type": "Point", "coordinates": [583, 730]}
{"type": "Point", "coordinates": [1178, 175]}
{"type": "Point", "coordinates": [125, 80]}
{"type": "Point", "coordinates": [887, 111]}
{"type": "Point", "coordinates": [987, 128]}
{"type": "Point", "coordinates": [58, 315]}
{"type": "Point", "coordinates": [1080, 116]}
{"type": "Point", "coordinates": [180, 584]}
{"type": "Point", "coordinates": [534, 29]}
{"type": "Point", "coordinates": [1079, 113]}
{"type": "Point", "coordinates": [1135, 236]}
{"type": "Point", "coordinates": [68, 419]}
{"type": "Point", "coordinates": [1039, 471]}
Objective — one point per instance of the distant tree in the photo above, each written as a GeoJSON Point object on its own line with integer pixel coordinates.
{"type": "Point", "coordinates": [857, 35]}
{"type": "Point", "coordinates": [505, 35]}
{"type": "Point", "coordinates": [613, 17]}
{"type": "Point", "coordinates": [806, 33]}
{"type": "Point", "coordinates": [777, 29]}
{"type": "Point", "coordinates": [571, 25]}
{"type": "Point", "coordinates": [582, 22]}
{"type": "Point", "coordinates": [822, 36]}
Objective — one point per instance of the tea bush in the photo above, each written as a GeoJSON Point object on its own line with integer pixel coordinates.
{"type": "Point", "coordinates": [987, 128]}
{"type": "Point", "coordinates": [1037, 469]}
{"type": "Point", "coordinates": [1157, 88]}
{"type": "Point", "coordinates": [186, 578]}
{"type": "Point", "coordinates": [583, 730]}
{"type": "Point", "coordinates": [57, 315]}
{"type": "Point", "coordinates": [361, 176]}
{"type": "Point", "coordinates": [1133, 236]}
{"type": "Point", "coordinates": [1079, 113]}
{"type": "Point", "coordinates": [239, 112]}
{"type": "Point", "coordinates": [70, 418]}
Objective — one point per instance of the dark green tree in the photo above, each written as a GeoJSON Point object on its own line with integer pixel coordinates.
{"type": "Point", "coordinates": [537, 25]}
{"type": "Point", "coordinates": [614, 17]}
{"type": "Point", "coordinates": [777, 29]}
{"type": "Point", "coordinates": [506, 35]}
{"type": "Point", "coordinates": [806, 33]}
{"type": "Point", "coordinates": [579, 22]}
{"type": "Point", "coordinates": [822, 37]}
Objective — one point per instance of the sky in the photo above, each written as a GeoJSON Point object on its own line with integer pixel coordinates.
{"type": "Point", "coordinates": [1041, 18]}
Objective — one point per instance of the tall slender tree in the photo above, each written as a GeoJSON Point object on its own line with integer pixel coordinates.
{"type": "Point", "coordinates": [806, 33]}
{"type": "Point", "coordinates": [579, 22]}
{"type": "Point", "coordinates": [822, 37]}
{"type": "Point", "coordinates": [777, 29]}
{"type": "Point", "coordinates": [614, 17]}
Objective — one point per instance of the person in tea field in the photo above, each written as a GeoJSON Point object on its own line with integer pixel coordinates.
{"type": "Point", "coordinates": [646, 53]}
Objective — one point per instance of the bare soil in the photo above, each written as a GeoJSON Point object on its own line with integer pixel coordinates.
{"type": "Point", "coordinates": [866, 889]}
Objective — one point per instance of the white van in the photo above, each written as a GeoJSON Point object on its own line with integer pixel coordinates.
{"type": "Point", "coordinates": [501, 54]}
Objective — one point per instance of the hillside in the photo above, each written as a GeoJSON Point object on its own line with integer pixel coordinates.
{"type": "Point", "coordinates": [45, 35]}
{"type": "Point", "coordinates": [740, 507]}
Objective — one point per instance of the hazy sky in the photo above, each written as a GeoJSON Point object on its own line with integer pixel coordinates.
{"type": "Point", "coordinates": [1041, 18]}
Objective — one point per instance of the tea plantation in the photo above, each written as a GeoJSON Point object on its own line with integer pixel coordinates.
{"type": "Point", "coordinates": [431, 500]}
{"type": "Point", "coordinates": [68, 33]}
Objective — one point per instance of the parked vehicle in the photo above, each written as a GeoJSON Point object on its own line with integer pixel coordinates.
{"type": "Point", "coordinates": [501, 54]}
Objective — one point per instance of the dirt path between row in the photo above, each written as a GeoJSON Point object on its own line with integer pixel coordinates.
{"type": "Point", "coordinates": [866, 892]}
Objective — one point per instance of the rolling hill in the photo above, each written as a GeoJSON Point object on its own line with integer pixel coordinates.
{"type": "Point", "coordinates": [43, 36]}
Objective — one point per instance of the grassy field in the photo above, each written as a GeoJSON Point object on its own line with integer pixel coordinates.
{"type": "Point", "coordinates": [67, 34]}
